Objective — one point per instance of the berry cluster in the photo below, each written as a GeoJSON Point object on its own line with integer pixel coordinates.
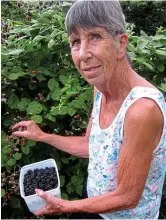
{"type": "Point", "coordinates": [45, 179]}
{"type": "Point", "coordinates": [10, 184]}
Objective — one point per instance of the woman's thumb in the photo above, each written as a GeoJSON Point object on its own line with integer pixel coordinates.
{"type": "Point", "coordinates": [42, 194]}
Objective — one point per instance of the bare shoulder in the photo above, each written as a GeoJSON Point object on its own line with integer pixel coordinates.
{"type": "Point", "coordinates": [145, 109]}
{"type": "Point", "coordinates": [143, 124]}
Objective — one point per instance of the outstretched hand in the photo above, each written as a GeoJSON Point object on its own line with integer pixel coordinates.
{"type": "Point", "coordinates": [54, 205]}
{"type": "Point", "coordinates": [27, 129]}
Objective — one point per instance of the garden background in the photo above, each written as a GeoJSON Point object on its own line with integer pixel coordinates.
{"type": "Point", "coordinates": [40, 82]}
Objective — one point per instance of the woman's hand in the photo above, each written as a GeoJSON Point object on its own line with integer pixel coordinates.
{"type": "Point", "coordinates": [28, 129]}
{"type": "Point", "coordinates": [53, 205]}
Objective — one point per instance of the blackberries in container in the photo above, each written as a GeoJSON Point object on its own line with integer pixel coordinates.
{"type": "Point", "coordinates": [44, 179]}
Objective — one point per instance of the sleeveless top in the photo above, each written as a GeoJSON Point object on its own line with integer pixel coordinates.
{"type": "Point", "coordinates": [104, 149]}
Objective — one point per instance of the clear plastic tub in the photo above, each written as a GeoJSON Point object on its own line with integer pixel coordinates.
{"type": "Point", "coordinates": [35, 202]}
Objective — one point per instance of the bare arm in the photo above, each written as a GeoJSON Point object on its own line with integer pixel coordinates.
{"type": "Point", "coordinates": [142, 123]}
{"type": "Point", "coordinates": [74, 145]}
{"type": "Point", "coordinates": [77, 146]}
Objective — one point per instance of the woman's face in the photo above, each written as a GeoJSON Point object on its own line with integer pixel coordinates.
{"type": "Point", "coordinates": [94, 53]}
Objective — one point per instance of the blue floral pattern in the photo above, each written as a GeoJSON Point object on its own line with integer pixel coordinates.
{"type": "Point", "coordinates": [104, 149]}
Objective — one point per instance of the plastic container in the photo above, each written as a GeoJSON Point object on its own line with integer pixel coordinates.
{"type": "Point", "coordinates": [35, 202]}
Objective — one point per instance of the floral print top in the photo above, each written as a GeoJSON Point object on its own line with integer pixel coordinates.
{"type": "Point", "coordinates": [104, 149]}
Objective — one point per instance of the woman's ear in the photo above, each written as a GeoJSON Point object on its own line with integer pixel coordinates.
{"type": "Point", "coordinates": [123, 40]}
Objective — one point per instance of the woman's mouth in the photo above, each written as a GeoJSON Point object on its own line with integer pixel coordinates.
{"type": "Point", "coordinates": [90, 69]}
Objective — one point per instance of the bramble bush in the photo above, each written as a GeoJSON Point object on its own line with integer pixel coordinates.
{"type": "Point", "coordinates": [146, 15]}
{"type": "Point", "coordinates": [40, 83]}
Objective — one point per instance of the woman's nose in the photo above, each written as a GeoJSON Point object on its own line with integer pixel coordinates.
{"type": "Point", "coordinates": [84, 52]}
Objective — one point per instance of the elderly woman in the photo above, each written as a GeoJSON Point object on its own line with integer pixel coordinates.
{"type": "Point", "coordinates": [126, 135]}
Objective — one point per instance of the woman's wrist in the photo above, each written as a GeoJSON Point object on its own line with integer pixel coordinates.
{"type": "Point", "coordinates": [71, 206]}
{"type": "Point", "coordinates": [42, 137]}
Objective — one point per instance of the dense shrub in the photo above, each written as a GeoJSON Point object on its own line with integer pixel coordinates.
{"type": "Point", "coordinates": [146, 15]}
{"type": "Point", "coordinates": [40, 82]}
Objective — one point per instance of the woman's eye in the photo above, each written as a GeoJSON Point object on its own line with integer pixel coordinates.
{"type": "Point", "coordinates": [75, 42]}
{"type": "Point", "coordinates": [96, 36]}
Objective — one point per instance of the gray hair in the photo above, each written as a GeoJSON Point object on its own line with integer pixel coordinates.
{"type": "Point", "coordinates": [89, 14]}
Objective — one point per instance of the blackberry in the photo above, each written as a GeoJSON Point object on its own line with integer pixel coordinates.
{"type": "Point", "coordinates": [29, 172]}
{"type": "Point", "coordinates": [45, 179]}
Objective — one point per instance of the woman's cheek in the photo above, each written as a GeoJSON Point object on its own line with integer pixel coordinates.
{"type": "Point", "coordinates": [75, 58]}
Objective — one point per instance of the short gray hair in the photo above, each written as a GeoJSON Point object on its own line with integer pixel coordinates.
{"type": "Point", "coordinates": [89, 14]}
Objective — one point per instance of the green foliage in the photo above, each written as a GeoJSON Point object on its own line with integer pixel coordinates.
{"type": "Point", "coordinates": [146, 15]}
{"type": "Point", "coordinates": [148, 54]}
{"type": "Point", "coordinates": [40, 82]}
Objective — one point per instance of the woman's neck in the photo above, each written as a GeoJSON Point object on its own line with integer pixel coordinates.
{"type": "Point", "coordinates": [120, 84]}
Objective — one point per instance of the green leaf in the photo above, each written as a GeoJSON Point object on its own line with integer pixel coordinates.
{"type": "Point", "coordinates": [54, 33]}
{"type": "Point", "coordinates": [39, 38]}
{"type": "Point", "coordinates": [79, 189]}
{"type": "Point", "coordinates": [37, 118]}
{"type": "Point", "coordinates": [163, 85]}
{"type": "Point", "coordinates": [159, 37]}
{"type": "Point", "coordinates": [64, 110]}
{"type": "Point", "coordinates": [6, 150]}
{"type": "Point", "coordinates": [65, 196]}
{"type": "Point", "coordinates": [56, 93]}
{"type": "Point", "coordinates": [11, 162]}
{"type": "Point", "coordinates": [15, 52]}
{"type": "Point", "coordinates": [15, 202]}
{"type": "Point", "coordinates": [17, 156]}
{"type": "Point", "coordinates": [131, 47]}
{"type": "Point", "coordinates": [79, 104]}
{"type": "Point", "coordinates": [51, 43]}
{"type": "Point", "coordinates": [66, 4]}
{"type": "Point", "coordinates": [163, 42]}
{"type": "Point", "coordinates": [13, 101]}
{"type": "Point", "coordinates": [55, 110]}
{"type": "Point", "coordinates": [62, 180]}
{"type": "Point", "coordinates": [149, 66]}
{"type": "Point", "coordinates": [161, 52]}
{"type": "Point", "coordinates": [140, 59]}
{"type": "Point", "coordinates": [34, 108]}
{"type": "Point", "coordinates": [40, 77]}
{"type": "Point", "coordinates": [71, 111]}
{"type": "Point", "coordinates": [25, 149]}
{"type": "Point", "coordinates": [14, 76]}
{"type": "Point", "coordinates": [146, 51]}
{"type": "Point", "coordinates": [44, 70]}
{"type": "Point", "coordinates": [22, 105]}
{"type": "Point", "coordinates": [73, 92]}
{"type": "Point", "coordinates": [161, 67]}
{"type": "Point", "coordinates": [88, 95]}
{"type": "Point", "coordinates": [48, 97]}
{"type": "Point", "coordinates": [64, 79]}
{"type": "Point", "coordinates": [31, 143]}
{"type": "Point", "coordinates": [73, 179]}
{"type": "Point", "coordinates": [2, 192]}
{"type": "Point", "coordinates": [57, 157]}
{"type": "Point", "coordinates": [50, 117]}
{"type": "Point", "coordinates": [64, 160]}
{"type": "Point", "coordinates": [52, 83]}
{"type": "Point", "coordinates": [72, 157]}
{"type": "Point", "coordinates": [70, 188]}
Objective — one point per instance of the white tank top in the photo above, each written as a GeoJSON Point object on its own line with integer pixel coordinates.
{"type": "Point", "coordinates": [104, 148]}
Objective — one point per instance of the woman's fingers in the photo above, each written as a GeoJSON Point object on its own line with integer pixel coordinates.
{"type": "Point", "coordinates": [43, 195]}
{"type": "Point", "coordinates": [20, 134]}
{"type": "Point", "coordinates": [43, 211]}
{"type": "Point", "coordinates": [48, 209]}
{"type": "Point", "coordinates": [20, 124]}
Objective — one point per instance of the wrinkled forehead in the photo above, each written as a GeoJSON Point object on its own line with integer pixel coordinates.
{"type": "Point", "coordinates": [85, 30]}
